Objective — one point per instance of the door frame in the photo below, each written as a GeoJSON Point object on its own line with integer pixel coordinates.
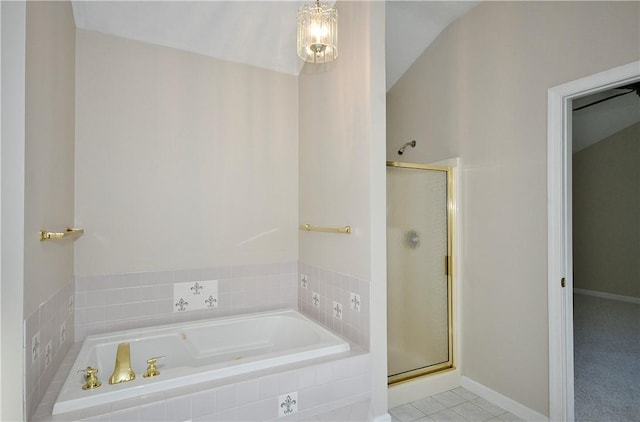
{"type": "Point", "coordinates": [559, 230]}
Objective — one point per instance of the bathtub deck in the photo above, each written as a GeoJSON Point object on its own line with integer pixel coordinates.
{"type": "Point", "coordinates": [323, 385]}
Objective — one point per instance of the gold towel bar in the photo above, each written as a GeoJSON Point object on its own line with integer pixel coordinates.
{"type": "Point", "coordinates": [310, 228]}
{"type": "Point", "coordinates": [45, 235]}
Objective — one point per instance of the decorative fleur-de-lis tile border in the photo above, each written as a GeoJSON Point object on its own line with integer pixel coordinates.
{"type": "Point", "coordinates": [354, 302]}
{"type": "Point", "coordinates": [63, 332]}
{"type": "Point", "coordinates": [315, 299]}
{"type": "Point", "coordinates": [194, 295]}
{"type": "Point", "coordinates": [304, 281]}
{"type": "Point", "coordinates": [35, 347]}
{"type": "Point", "coordinates": [48, 353]}
{"type": "Point", "coordinates": [287, 404]}
{"type": "Point", "coordinates": [337, 309]}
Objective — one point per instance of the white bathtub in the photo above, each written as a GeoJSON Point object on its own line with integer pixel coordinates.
{"type": "Point", "coordinates": [196, 352]}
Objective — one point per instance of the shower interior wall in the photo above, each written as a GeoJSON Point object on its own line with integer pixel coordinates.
{"type": "Point", "coordinates": [173, 185]}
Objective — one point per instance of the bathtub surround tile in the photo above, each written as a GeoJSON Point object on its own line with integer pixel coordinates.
{"type": "Point", "coordinates": [241, 289]}
{"type": "Point", "coordinates": [288, 403]}
{"type": "Point", "coordinates": [203, 403]}
{"type": "Point", "coordinates": [151, 412]}
{"type": "Point", "coordinates": [35, 347]}
{"type": "Point", "coordinates": [179, 408]}
{"type": "Point", "coordinates": [47, 355]}
{"type": "Point", "coordinates": [348, 382]}
{"type": "Point", "coordinates": [198, 295]}
{"type": "Point", "coordinates": [288, 382]}
{"type": "Point", "coordinates": [63, 332]}
{"type": "Point", "coordinates": [354, 301]}
{"type": "Point", "coordinates": [324, 301]}
{"type": "Point", "coordinates": [337, 310]}
{"type": "Point", "coordinates": [230, 415]}
{"type": "Point", "coordinates": [134, 300]}
{"type": "Point", "coordinates": [227, 397]}
{"type": "Point", "coordinates": [46, 342]}
{"type": "Point", "coordinates": [127, 416]}
{"type": "Point", "coordinates": [268, 386]}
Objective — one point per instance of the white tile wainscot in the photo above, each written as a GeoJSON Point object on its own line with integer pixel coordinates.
{"type": "Point", "coordinates": [323, 295]}
{"type": "Point", "coordinates": [132, 300]}
{"type": "Point", "coordinates": [52, 324]}
{"type": "Point", "coordinates": [322, 385]}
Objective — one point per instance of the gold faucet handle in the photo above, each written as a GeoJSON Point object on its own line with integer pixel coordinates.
{"type": "Point", "coordinates": [91, 377]}
{"type": "Point", "coordinates": [152, 371]}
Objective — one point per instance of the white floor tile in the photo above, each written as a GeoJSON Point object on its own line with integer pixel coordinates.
{"type": "Point", "coordinates": [428, 405]}
{"type": "Point", "coordinates": [495, 410]}
{"type": "Point", "coordinates": [449, 398]}
{"type": "Point", "coordinates": [471, 412]}
{"type": "Point", "coordinates": [510, 417]}
{"type": "Point", "coordinates": [406, 413]}
{"type": "Point", "coordinates": [457, 405]}
{"type": "Point", "coordinates": [464, 393]}
{"type": "Point", "coordinates": [446, 416]}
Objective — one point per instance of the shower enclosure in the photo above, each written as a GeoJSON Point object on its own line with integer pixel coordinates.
{"type": "Point", "coordinates": [419, 233]}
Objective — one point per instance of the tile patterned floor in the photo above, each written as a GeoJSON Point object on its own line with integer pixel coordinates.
{"type": "Point", "coordinates": [457, 405]}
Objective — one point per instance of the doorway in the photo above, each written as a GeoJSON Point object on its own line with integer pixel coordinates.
{"type": "Point", "coordinates": [419, 257]}
{"type": "Point", "coordinates": [560, 235]}
{"type": "Point", "coordinates": [606, 265]}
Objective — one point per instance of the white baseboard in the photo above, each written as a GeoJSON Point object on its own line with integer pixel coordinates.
{"type": "Point", "coordinates": [418, 388]}
{"type": "Point", "coordinates": [604, 295]}
{"type": "Point", "coordinates": [504, 402]}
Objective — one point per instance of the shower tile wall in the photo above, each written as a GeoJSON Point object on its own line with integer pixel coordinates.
{"type": "Point", "coordinates": [48, 334]}
{"type": "Point", "coordinates": [131, 300]}
{"type": "Point", "coordinates": [320, 291]}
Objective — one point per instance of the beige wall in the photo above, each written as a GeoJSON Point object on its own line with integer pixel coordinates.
{"type": "Point", "coordinates": [606, 215]}
{"type": "Point", "coordinates": [341, 166]}
{"type": "Point", "coordinates": [49, 158]}
{"type": "Point", "coordinates": [12, 146]}
{"type": "Point", "coordinates": [480, 92]}
{"type": "Point", "coordinates": [182, 161]}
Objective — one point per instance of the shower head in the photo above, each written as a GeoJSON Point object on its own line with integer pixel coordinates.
{"type": "Point", "coordinates": [412, 144]}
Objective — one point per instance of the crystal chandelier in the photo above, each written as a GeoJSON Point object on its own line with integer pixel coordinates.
{"type": "Point", "coordinates": [317, 33]}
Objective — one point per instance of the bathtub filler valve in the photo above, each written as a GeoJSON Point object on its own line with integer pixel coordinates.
{"type": "Point", "coordinates": [152, 371]}
{"type": "Point", "coordinates": [122, 371]}
{"type": "Point", "coordinates": [91, 378]}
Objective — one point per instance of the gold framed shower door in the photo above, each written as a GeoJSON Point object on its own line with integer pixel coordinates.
{"type": "Point", "coordinates": [447, 266]}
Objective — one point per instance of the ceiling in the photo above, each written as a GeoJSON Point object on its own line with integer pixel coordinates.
{"type": "Point", "coordinates": [259, 33]}
{"type": "Point", "coordinates": [603, 119]}
{"type": "Point", "coordinates": [262, 33]}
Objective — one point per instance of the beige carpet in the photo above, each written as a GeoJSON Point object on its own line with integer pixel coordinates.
{"type": "Point", "coordinates": [607, 359]}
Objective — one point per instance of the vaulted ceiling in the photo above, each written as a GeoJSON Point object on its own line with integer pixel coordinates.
{"type": "Point", "coordinates": [259, 33]}
{"type": "Point", "coordinates": [262, 33]}
{"type": "Point", "coordinates": [604, 114]}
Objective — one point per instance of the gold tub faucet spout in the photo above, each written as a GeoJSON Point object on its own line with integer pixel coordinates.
{"type": "Point", "coordinates": [122, 371]}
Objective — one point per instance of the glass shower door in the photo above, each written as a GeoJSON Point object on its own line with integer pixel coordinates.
{"type": "Point", "coordinates": [418, 277]}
